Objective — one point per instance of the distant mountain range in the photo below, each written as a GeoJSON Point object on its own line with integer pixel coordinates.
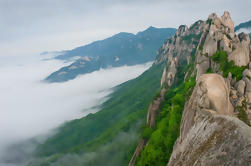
{"type": "Point", "coordinates": [118, 50]}
{"type": "Point", "coordinates": [245, 25]}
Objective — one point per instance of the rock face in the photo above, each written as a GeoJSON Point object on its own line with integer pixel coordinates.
{"type": "Point", "coordinates": [215, 122]}
{"type": "Point", "coordinates": [218, 34]}
{"type": "Point", "coordinates": [153, 108]}
{"type": "Point", "coordinates": [179, 50]}
{"type": "Point", "coordinates": [210, 134]}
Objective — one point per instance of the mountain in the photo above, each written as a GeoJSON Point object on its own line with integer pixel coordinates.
{"type": "Point", "coordinates": [245, 26]}
{"type": "Point", "coordinates": [118, 50]}
{"type": "Point", "coordinates": [192, 107]}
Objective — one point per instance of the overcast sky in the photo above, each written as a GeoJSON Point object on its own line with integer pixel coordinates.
{"type": "Point", "coordinates": [34, 26]}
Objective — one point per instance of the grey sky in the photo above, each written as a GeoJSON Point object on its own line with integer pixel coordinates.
{"type": "Point", "coordinates": [33, 26]}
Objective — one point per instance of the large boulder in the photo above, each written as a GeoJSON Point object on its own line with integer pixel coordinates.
{"type": "Point", "coordinates": [242, 51]}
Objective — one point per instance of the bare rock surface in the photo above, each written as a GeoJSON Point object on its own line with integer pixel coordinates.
{"type": "Point", "coordinates": [210, 134]}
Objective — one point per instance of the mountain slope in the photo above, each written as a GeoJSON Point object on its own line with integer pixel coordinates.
{"type": "Point", "coordinates": [245, 25]}
{"type": "Point", "coordinates": [120, 49]}
{"type": "Point", "coordinates": [123, 113]}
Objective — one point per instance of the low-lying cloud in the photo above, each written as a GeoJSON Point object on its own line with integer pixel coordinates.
{"type": "Point", "coordinates": [30, 107]}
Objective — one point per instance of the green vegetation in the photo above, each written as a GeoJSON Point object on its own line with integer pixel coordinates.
{"type": "Point", "coordinates": [209, 70]}
{"type": "Point", "coordinates": [163, 136]}
{"type": "Point", "coordinates": [226, 67]}
{"type": "Point", "coordinates": [195, 25]}
{"type": "Point", "coordinates": [146, 132]}
{"type": "Point", "coordinates": [242, 115]}
{"type": "Point", "coordinates": [124, 111]}
{"type": "Point", "coordinates": [162, 139]}
{"type": "Point", "coordinates": [209, 21]}
{"type": "Point", "coordinates": [191, 37]}
{"type": "Point", "coordinates": [130, 49]}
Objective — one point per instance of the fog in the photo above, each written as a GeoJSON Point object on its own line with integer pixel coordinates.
{"type": "Point", "coordinates": [245, 30]}
{"type": "Point", "coordinates": [30, 107]}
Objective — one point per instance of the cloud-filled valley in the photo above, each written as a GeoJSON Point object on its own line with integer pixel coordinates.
{"type": "Point", "coordinates": [30, 107]}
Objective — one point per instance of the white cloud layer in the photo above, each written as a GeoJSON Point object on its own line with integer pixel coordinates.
{"type": "Point", "coordinates": [29, 107]}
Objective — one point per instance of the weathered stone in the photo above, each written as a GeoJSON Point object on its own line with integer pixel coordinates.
{"type": "Point", "coordinates": [241, 54]}
{"type": "Point", "coordinates": [163, 78]}
{"type": "Point", "coordinates": [247, 73]}
{"type": "Point", "coordinates": [233, 94]}
{"type": "Point", "coordinates": [210, 135]}
{"type": "Point", "coordinates": [227, 21]}
{"type": "Point", "coordinates": [240, 86]}
{"type": "Point", "coordinates": [249, 66]}
{"type": "Point", "coordinates": [248, 84]}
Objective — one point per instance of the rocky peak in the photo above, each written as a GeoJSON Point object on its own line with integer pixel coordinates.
{"type": "Point", "coordinates": [182, 30]}
{"type": "Point", "coordinates": [218, 35]}
{"type": "Point", "coordinates": [244, 37]}
{"type": "Point", "coordinates": [227, 21]}
{"type": "Point", "coordinates": [179, 50]}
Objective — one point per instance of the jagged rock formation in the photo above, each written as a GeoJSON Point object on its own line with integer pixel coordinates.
{"type": "Point", "coordinates": [176, 51]}
{"type": "Point", "coordinates": [212, 130]}
{"type": "Point", "coordinates": [153, 108]}
{"type": "Point", "coordinates": [210, 135]}
{"type": "Point", "coordinates": [179, 50]}
{"type": "Point", "coordinates": [218, 34]}
{"type": "Point", "coordinates": [151, 120]}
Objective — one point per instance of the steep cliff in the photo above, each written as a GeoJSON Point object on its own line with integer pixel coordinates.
{"type": "Point", "coordinates": [215, 124]}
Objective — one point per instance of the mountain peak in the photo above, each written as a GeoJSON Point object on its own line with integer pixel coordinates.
{"type": "Point", "coordinates": [225, 19]}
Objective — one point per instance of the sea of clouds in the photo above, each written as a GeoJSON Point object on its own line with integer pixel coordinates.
{"type": "Point", "coordinates": [31, 108]}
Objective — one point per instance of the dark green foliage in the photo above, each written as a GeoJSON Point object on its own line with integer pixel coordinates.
{"type": "Point", "coordinates": [195, 25]}
{"type": "Point", "coordinates": [226, 67]}
{"type": "Point", "coordinates": [242, 115]}
{"type": "Point", "coordinates": [200, 48]}
{"type": "Point", "coordinates": [229, 37]}
{"type": "Point", "coordinates": [162, 139]}
{"type": "Point", "coordinates": [209, 70]}
{"type": "Point", "coordinates": [209, 21]}
{"type": "Point", "coordinates": [125, 108]}
{"type": "Point", "coordinates": [146, 132]}
{"type": "Point", "coordinates": [157, 94]}
{"type": "Point", "coordinates": [191, 37]}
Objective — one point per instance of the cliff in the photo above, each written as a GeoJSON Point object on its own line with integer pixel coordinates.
{"type": "Point", "coordinates": [215, 124]}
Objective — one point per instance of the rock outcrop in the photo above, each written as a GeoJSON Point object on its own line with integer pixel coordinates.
{"type": "Point", "coordinates": [210, 134]}
{"type": "Point", "coordinates": [153, 108]}
{"type": "Point", "coordinates": [218, 34]}
{"type": "Point", "coordinates": [215, 127]}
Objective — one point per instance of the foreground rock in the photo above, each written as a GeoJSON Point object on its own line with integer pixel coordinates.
{"type": "Point", "coordinates": [210, 134]}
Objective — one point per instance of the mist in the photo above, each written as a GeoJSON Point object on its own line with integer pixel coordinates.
{"type": "Point", "coordinates": [31, 108]}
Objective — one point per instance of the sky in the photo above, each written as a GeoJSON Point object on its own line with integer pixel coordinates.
{"type": "Point", "coordinates": [34, 26]}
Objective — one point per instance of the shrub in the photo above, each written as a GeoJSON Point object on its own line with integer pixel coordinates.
{"type": "Point", "coordinates": [221, 57]}
{"type": "Point", "coordinates": [147, 132]}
